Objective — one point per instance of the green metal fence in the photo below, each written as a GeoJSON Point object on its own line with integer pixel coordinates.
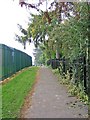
{"type": "Point", "coordinates": [12, 60]}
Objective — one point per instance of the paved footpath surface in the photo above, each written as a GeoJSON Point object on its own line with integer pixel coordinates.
{"type": "Point", "coordinates": [51, 99]}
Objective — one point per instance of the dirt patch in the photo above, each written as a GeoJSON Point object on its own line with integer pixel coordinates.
{"type": "Point", "coordinates": [28, 99]}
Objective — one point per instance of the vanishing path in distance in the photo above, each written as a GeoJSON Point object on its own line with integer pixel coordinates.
{"type": "Point", "coordinates": [51, 99]}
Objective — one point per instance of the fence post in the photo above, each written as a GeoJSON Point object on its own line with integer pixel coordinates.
{"type": "Point", "coordinates": [64, 66]}
{"type": "Point", "coordinates": [85, 80]}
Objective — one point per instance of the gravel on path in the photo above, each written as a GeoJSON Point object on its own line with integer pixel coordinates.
{"type": "Point", "coordinates": [52, 100]}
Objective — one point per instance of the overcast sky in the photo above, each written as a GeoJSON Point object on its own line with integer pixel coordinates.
{"type": "Point", "coordinates": [10, 15]}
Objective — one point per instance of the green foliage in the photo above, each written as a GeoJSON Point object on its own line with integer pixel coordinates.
{"type": "Point", "coordinates": [68, 36]}
{"type": "Point", "coordinates": [65, 80]}
{"type": "Point", "coordinates": [72, 87]}
{"type": "Point", "coordinates": [79, 92]}
{"type": "Point", "coordinates": [55, 71]}
{"type": "Point", "coordinates": [15, 91]}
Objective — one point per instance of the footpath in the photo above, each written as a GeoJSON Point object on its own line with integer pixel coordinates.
{"type": "Point", "coordinates": [50, 99]}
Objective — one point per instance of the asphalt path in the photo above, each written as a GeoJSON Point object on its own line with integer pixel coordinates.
{"type": "Point", "coordinates": [50, 99]}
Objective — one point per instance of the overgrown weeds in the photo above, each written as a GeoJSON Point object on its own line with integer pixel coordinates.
{"type": "Point", "coordinates": [73, 88]}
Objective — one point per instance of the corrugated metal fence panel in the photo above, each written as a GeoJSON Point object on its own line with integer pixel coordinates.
{"type": "Point", "coordinates": [12, 60]}
{"type": "Point", "coordinates": [0, 62]}
{"type": "Point", "coordinates": [7, 61]}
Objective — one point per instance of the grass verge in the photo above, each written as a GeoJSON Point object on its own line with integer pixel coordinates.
{"type": "Point", "coordinates": [15, 91]}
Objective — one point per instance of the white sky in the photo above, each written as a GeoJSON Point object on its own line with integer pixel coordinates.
{"type": "Point", "coordinates": [11, 14]}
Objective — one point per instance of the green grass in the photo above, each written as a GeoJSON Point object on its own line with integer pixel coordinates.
{"type": "Point", "coordinates": [15, 91]}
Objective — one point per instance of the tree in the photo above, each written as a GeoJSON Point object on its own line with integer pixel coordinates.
{"type": "Point", "coordinates": [45, 21]}
{"type": "Point", "coordinates": [67, 25]}
{"type": "Point", "coordinates": [40, 57]}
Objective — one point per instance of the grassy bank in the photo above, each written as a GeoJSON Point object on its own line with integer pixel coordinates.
{"type": "Point", "coordinates": [15, 91]}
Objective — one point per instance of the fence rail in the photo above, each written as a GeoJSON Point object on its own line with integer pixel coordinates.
{"type": "Point", "coordinates": [78, 69]}
{"type": "Point", "coordinates": [12, 60]}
